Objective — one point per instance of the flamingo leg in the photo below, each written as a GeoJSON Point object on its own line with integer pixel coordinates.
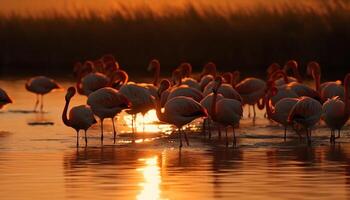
{"type": "Point", "coordinates": [249, 111]}
{"type": "Point", "coordinates": [203, 126]}
{"type": "Point", "coordinates": [209, 128]}
{"type": "Point", "coordinates": [77, 138]}
{"type": "Point", "coordinates": [226, 137]}
{"type": "Point", "coordinates": [180, 136]}
{"type": "Point", "coordinates": [85, 138]}
{"type": "Point", "coordinates": [36, 102]}
{"type": "Point", "coordinates": [308, 133]}
{"type": "Point", "coordinates": [254, 112]}
{"type": "Point", "coordinates": [186, 138]}
{"type": "Point", "coordinates": [42, 103]}
{"type": "Point", "coordinates": [114, 131]}
{"type": "Point", "coordinates": [332, 136]}
{"type": "Point", "coordinates": [102, 131]}
{"type": "Point", "coordinates": [338, 134]}
{"type": "Point", "coordinates": [285, 133]}
{"type": "Point", "coordinates": [234, 137]}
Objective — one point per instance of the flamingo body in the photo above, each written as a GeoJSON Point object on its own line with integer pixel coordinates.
{"type": "Point", "coordinates": [4, 98]}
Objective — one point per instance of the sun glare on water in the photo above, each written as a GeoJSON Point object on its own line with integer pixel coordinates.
{"type": "Point", "coordinates": [148, 123]}
{"type": "Point", "coordinates": [152, 179]}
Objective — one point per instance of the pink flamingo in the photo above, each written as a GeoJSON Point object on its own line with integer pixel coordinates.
{"type": "Point", "coordinates": [107, 103]}
{"type": "Point", "coordinates": [336, 112]}
{"type": "Point", "coordinates": [178, 111]}
{"type": "Point", "coordinates": [293, 65]}
{"type": "Point", "coordinates": [326, 90]}
{"type": "Point", "coordinates": [186, 70]}
{"type": "Point", "coordinates": [41, 85]}
{"type": "Point", "coordinates": [306, 112]}
{"type": "Point", "coordinates": [181, 90]}
{"type": "Point", "coordinates": [252, 90]}
{"type": "Point", "coordinates": [80, 117]}
{"type": "Point", "coordinates": [280, 111]}
{"type": "Point", "coordinates": [206, 102]}
{"type": "Point", "coordinates": [208, 75]}
{"type": "Point", "coordinates": [226, 89]}
{"type": "Point", "coordinates": [4, 98]}
{"type": "Point", "coordinates": [226, 112]}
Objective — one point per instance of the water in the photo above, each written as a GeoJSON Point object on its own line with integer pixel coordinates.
{"type": "Point", "coordinates": [41, 161]}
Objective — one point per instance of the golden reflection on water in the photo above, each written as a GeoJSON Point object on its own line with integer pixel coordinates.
{"type": "Point", "coordinates": [148, 123]}
{"type": "Point", "coordinates": [152, 179]}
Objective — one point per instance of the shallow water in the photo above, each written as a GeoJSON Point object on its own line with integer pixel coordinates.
{"type": "Point", "coordinates": [39, 160]}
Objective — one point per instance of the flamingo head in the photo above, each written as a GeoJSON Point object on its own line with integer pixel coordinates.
{"type": "Point", "coordinates": [277, 74]}
{"type": "Point", "coordinates": [99, 65]}
{"type": "Point", "coordinates": [164, 85]}
{"type": "Point", "coordinates": [186, 69]}
{"type": "Point", "coordinates": [77, 68]}
{"type": "Point", "coordinates": [154, 64]}
{"type": "Point", "coordinates": [120, 77]}
{"type": "Point", "coordinates": [209, 68]}
{"type": "Point", "coordinates": [176, 76]}
{"type": "Point", "coordinates": [108, 58]}
{"type": "Point", "coordinates": [314, 69]}
{"type": "Point", "coordinates": [272, 68]}
{"type": "Point", "coordinates": [228, 77]}
{"type": "Point", "coordinates": [292, 64]}
{"type": "Point", "coordinates": [70, 93]}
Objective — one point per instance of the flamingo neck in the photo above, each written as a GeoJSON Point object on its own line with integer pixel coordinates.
{"type": "Point", "coordinates": [318, 84]}
{"type": "Point", "coordinates": [64, 114]}
{"type": "Point", "coordinates": [160, 115]}
{"type": "Point", "coordinates": [278, 74]}
{"type": "Point", "coordinates": [213, 106]}
{"type": "Point", "coordinates": [79, 86]}
{"type": "Point", "coordinates": [156, 75]}
{"type": "Point", "coordinates": [270, 109]}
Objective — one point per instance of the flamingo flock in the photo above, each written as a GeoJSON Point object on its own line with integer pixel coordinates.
{"type": "Point", "coordinates": [217, 98]}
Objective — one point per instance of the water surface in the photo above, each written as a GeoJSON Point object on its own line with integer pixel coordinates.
{"type": "Point", "coordinates": [39, 160]}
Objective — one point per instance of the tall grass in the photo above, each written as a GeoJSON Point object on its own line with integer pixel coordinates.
{"type": "Point", "coordinates": [245, 39]}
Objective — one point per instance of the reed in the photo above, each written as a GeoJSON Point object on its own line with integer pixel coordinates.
{"type": "Point", "coordinates": [244, 39]}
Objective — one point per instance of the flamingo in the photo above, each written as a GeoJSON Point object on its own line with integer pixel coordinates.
{"type": "Point", "coordinates": [296, 87]}
{"type": "Point", "coordinates": [4, 98]}
{"type": "Point", "coordinates": [186, 70]}
{"type": "Point", "coordinates": [283, 91]}
{"type": "Point", "coordinates": [326, 90]}
{"type": "Point", "coordinates": [181, 90]}
{"type": "Point", "coordinates": [208, 75]}
{"type": "Point", "coordinates": [252, 90]}
{"type": "Point", "coordinates": [226, 112]}
{"type": "Point", "coordinates": [280, 111]}
{"type": "Point", "coordinates": [226, 89]}
{"type": "Point", "coordinates": [141, 100]}
{"type": "Point", "coordinates": [80, 117]}
{"type": "Point", "coordinates": [107, 103]}
{"type": "Point", "coordinates": [178, 111]}
{"type": "Point", "coordinates": [293, 65]}
{"type": "Point", "coordinates": [206, 103]}
{"type": "Point", "coordinates": [306, 112]}
{"type": "Point", "coordinates": [336, 112]}
{"type": "Point", "coordinates": [41, 85]}
{"type": "Point", "coordinates": [90, 81]}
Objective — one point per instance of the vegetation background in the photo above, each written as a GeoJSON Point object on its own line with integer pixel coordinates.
{"type": "Point", "coordinates": [247, 39]}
